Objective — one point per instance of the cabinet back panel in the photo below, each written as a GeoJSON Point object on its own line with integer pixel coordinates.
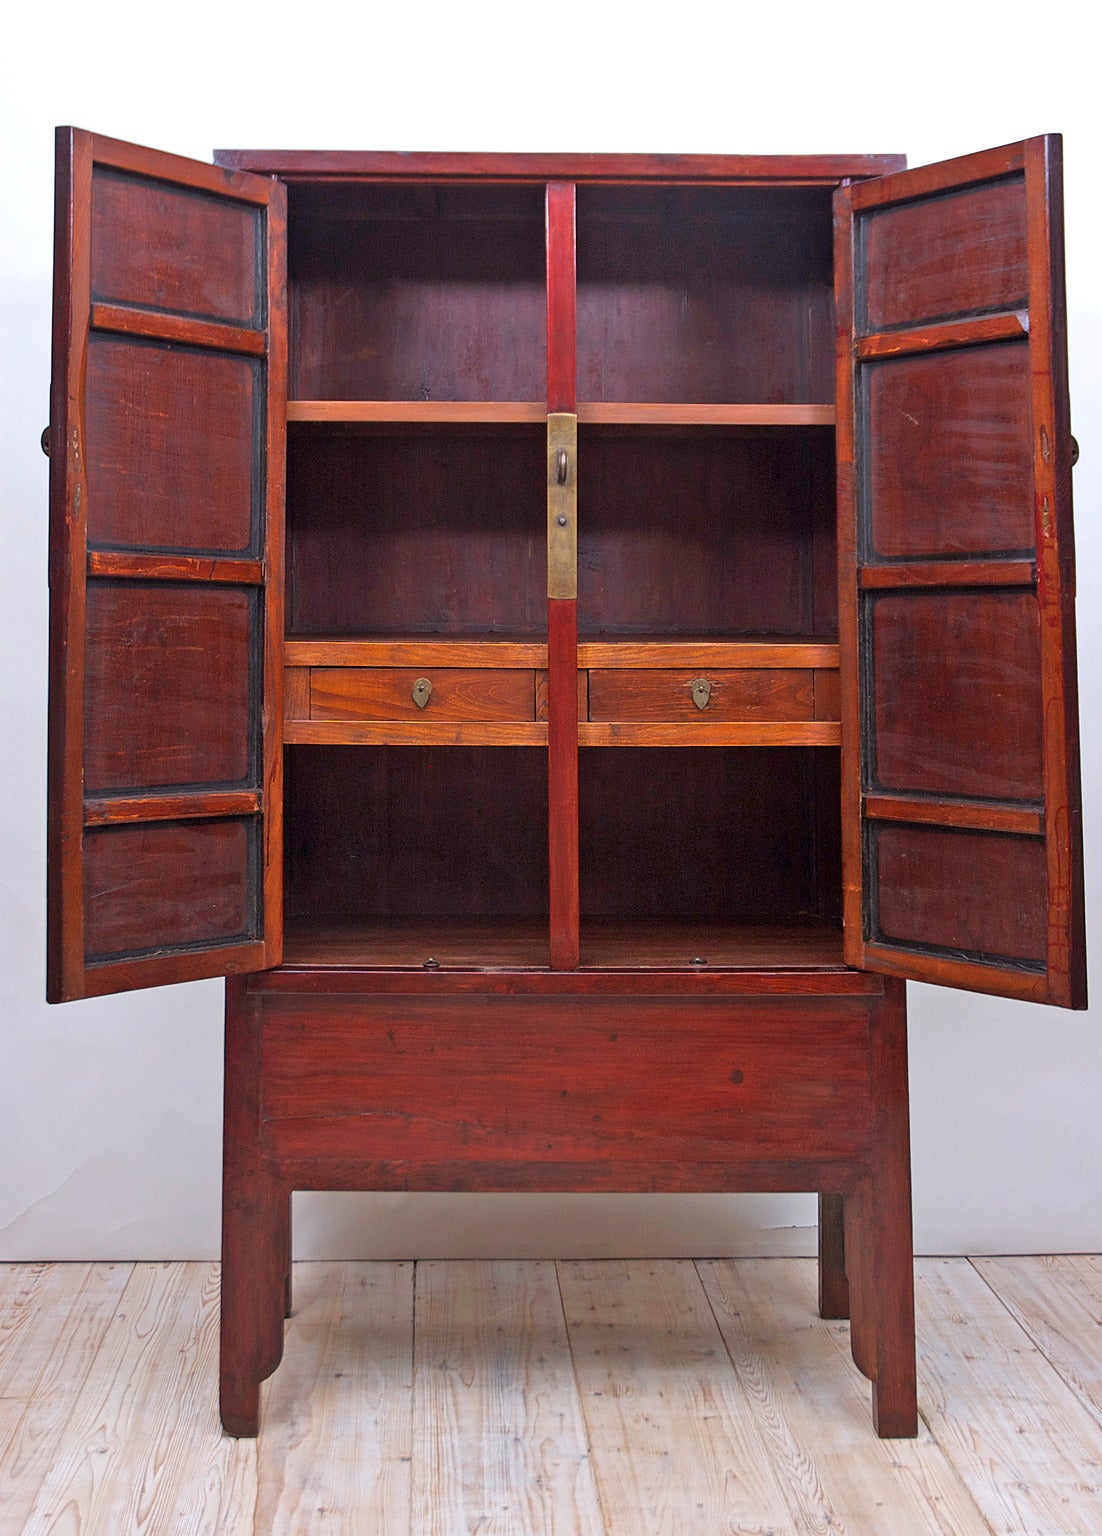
{"type": "Point", "coordinates": [429, 532]}
{"type": "Point", "coordinates": [415, 831]}
{"type": "Point", "coordinates": [709, 833]}
{"type": "Point", "coordinates": [705, 294]}
{"type": "Point", "coordinates": [417, 293]}
{"type": "Point", "coordinates": [706, 532]}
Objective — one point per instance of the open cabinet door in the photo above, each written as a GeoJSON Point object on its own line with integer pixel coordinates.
{"type": "Point", "coordinates": [963, 857]}
{"type": "Point", "coordinates": [167, 424]}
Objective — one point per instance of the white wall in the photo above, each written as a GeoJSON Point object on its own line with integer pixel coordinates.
{"type": "Point", "coordinates": [110, 1110]}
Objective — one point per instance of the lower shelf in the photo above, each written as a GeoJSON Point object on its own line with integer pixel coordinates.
{"type": "Point", "coordinates": [432, 944]}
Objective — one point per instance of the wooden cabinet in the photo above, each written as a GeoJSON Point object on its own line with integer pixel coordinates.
{"type": "Point", "coordinates": [565, 635]}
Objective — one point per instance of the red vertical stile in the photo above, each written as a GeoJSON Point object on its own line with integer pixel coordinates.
{"type": "Point", "coordinates": [562, 613]}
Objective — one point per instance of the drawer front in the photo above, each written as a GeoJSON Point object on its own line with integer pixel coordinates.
{"type": "Point", "coordinates": [742, 694]}
{"type": "Point", "coordinates": [388, 693]}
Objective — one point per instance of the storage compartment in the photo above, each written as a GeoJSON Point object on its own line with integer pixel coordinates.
{"type": "Point", "coordinates": [720, 856]}
{"type": "Point", "coordinates": [705, 294]}
{"type": "Point", "coordinates": [428, 531]}
{"type": "Point", "coordinates": [417, 292]}
{"type": "Point", "coordinates": [707, 531]}
{"type": "Point", "coordinates": [401, 856]}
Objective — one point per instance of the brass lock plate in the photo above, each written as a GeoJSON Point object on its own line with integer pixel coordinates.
{"type": "Point", "coordinates": [422, 692]}
{"type": "Point", "coordinates": [562, 504]}
{"type": "Point", "coordinates": [702, 692]}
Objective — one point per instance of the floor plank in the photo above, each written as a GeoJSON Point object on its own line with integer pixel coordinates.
{"type": "Point", "coordinates": [1058, 1301]}
{"type": "Point", "coordinates": [676, 1448]}
{"type": "Point", "coordinates": [499, 1437]}
{"type": "Point", "coordinates": [1029, 1454]}
{"type": "Point", "coordinates": [143, 1451]}
{"type": "Point", "coordinates": [813, 1410]}
{"type": "Point", "coordinates": [53, 1318]}
{"type": "Point", "coordinates": [335, 1421]}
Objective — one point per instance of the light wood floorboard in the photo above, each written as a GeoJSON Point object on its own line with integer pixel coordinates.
{"type": "Point", "coordinates": [500, 1444]}
{"type": "Point", "coordinates": [656, 1398]}
{"type": "Point", "coordinates": [337, 1415]}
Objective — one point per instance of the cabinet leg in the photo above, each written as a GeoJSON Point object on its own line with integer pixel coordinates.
{"type": "Point", "coordinates": [255, 1230]}
{"type": "Point", "coordinates": [862, 1320]}
{"type": "Point", "coordinates": [288, 1283]}
{"type": "Point", "coordinates": [886, 1260]}
{"type": "Point", "coordinates": [833, 1288]}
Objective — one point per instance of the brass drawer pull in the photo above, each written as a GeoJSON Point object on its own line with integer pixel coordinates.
{"type": "Point", "coordinates": [702, 692]}
{"type": "Point", "coordinates": [422, 692]}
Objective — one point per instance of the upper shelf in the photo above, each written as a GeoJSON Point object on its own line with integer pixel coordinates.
{"type": "Point", "coordinates": [591, 413]}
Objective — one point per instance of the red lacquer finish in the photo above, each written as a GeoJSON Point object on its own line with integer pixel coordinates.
{"type": "Point", "coordinates": [510, 962]}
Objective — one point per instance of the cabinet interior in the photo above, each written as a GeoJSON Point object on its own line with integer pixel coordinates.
{"type": "Point", "coordinates": [416, 551]}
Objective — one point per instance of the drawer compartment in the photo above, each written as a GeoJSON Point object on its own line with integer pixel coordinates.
{"type": "Point", "coordinates": [660, 694]}
{"type": "Point", "coordinates": [388, 693]}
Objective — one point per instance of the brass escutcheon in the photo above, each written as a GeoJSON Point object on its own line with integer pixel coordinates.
{"type": "Point", "coordinates": [702, 692]}
{"type": "Point", "coordinates": [422, 692]}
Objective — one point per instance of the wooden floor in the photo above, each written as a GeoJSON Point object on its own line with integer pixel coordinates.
{"type": "Point", "coordinates": [447, 1398]}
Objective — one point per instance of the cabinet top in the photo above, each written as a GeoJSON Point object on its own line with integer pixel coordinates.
{"type": "Point", "coordinates": [308, 164]}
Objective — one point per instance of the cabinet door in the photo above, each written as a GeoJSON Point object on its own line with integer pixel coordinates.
{"type": "Point", "coordinates": [961, 802]}
{"type": "Point", "coordinates": [167, 423]}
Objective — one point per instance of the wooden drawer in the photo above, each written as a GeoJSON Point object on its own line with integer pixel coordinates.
{"type": "Point", "coordinates": [386, 693]}
{"type": "Point", "coordinates": [736, 694]}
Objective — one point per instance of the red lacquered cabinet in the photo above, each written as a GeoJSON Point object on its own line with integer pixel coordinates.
{"type": "Point", "coordinates": [565, 636]}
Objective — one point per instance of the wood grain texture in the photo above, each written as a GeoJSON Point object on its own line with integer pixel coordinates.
{"type": "Point", "coordinates": [998, 247]}
{"type": "Point", "coordinates": [389, 165]}
{"type": "Point", "coordinates": [166, 449]}
{"type": "Point", "coordinates": [810, 1410]}
{"type": "Point", "coordinates": [745, 503]}
{"type": "Point", "coordinates": [140, 226]}
{"type": "Point", "coordinates": [660, 413]}
{"type": "Point", "coordinates": [987, 1392]}
{"type": "Point", "coordinates": [1010, 326]}
{"type": "Point", "coordinates": [337, 1441]}
{"type": "Point", "coordinates": [700, 655]}
{"type": "Point", "coordinates": [407, 831]}
{"type": "Point", "coordinates": [703, 295]}
{"type": "Point", "coordinates": [493, 1363]}
{"type": "Point", "coordinates": [957, 890]}
{"type": "Point", "coordinates": [562, 780]}
{"type": "Point", "coordinates": [414, 733]}
{"type": "Point", "coordinates": [125, 321]}
{"type": "Point", "coordinates": [170, 447]}
{"type": "Point", "coordinates": [427, 412]}
{"type": "Point", "coordinates": [968, 719]}
{"type": "Point", "coordinates": [169, 686]}
{"type": "Point", "coordinates": [404, 294]}
{"type": "Point", "coordinates": [413, 651]}
{"type": "Point", "coordinates": [120, 1467]}
{"type": "Point", "coordinates": [386, 693]}
{"type": "Point", "coordinates": [947, 253]}
{"type": "Point", "coordinates": [53, 1322]}
{"type": "Point", "coordinates": [442, 533]}
{"type": "Point", "coordinates": [949, 454]}
{"type": "Point", "coordinates": [678, 1445]}
{"type": "Point", "coordinates": [820, 733]}
{"type": "Point", "coordinates": [1057, 1301]}
{"type": "Point", "coordinates": [162, 885]}
{"type": "Point", "coordinates": [747, 694]}
{"type": "Point", "coordinates": [472, 1083]}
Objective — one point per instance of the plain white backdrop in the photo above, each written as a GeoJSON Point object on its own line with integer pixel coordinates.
{"type": "Point", "coordinates": [110, 1110]}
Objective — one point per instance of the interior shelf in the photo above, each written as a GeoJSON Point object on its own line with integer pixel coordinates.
{"type": "Point", "coordinates": [463, 943]}
{"type": "Point", "coordinates": [590, 413]}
